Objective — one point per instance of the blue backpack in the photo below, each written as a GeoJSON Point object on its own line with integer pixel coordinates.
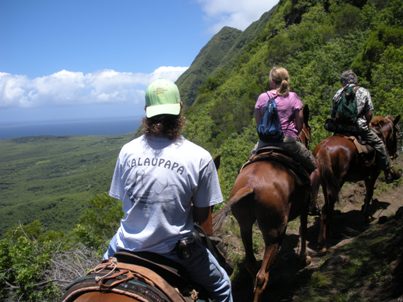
{"type": "Point", "coordinates": [269, 127]}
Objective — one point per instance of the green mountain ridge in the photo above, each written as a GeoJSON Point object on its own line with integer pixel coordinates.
{"type": "Point", "coordinates": [208, 59]}
{"type": "Point", "coordinates": [314, 40]}
{"type": "Point", "coordinates": [61, 181]}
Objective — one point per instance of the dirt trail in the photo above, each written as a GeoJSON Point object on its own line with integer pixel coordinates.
{"type": "Point", "coordinates": [287, 272]}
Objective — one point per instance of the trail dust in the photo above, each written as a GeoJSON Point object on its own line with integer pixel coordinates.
{"type": "Point", "coordinates": [290, 280]}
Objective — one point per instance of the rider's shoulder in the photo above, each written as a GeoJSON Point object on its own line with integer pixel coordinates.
{"type": "Point", "coordinates": [362, 91]}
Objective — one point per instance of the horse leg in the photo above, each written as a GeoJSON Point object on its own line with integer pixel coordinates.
{"type": "Point", "coordinates": [302, 233]}
{"type": "Point", "coordinates": [250, 259]}
{"type": "Point", "coordinates": [315, 184]}
{"type": "Point", "coordinates": [369, 192]}
{"type": "Point", "coordinates": [323, 219]}
{"type": "Point", "coordinates": [243, 213]}
{"type": "Point", "coordinates": [326, 215]}
{"type": "Point", "coordinates": [262, 276]}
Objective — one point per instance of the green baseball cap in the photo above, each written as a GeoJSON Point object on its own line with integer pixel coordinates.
{"type": "Point", "coordinates": [162, 97]}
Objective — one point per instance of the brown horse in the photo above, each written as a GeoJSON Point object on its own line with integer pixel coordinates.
{"type": "Point", "coordinates": [305, 133]}
{"type": "Point", "coordinates": [266, 190]}
{"type": "Point", "coordinates": [339, 161]}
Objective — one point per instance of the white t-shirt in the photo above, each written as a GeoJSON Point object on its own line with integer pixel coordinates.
{"type": "Point", "coordinates": [158, 180]}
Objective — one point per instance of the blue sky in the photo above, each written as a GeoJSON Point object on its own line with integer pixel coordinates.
{"type": "Point", "coordinates": [84, 59]}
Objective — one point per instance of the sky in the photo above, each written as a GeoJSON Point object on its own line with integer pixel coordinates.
{"type": "Point", "coordinates": [91, 59]}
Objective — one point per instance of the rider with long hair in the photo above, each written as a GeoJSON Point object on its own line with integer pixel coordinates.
{"type": "Point", "coordinates": [289, 107]}
{"type": "Point", "coordinates": [166, 183]}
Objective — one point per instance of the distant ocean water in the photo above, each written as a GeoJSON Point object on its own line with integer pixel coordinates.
{"type": "Point", "coordinates": [107, 127]}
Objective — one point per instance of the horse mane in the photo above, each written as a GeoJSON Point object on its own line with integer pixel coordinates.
{"type": "Point", "coordinates": [382, 124]}
{"type": "Point", "coordinates": [378, 120]}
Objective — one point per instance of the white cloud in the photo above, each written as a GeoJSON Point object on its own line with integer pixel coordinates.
{"type": "Point", "coordinates": [74, 88]}
{"type": "Point", "coordinates": [239, 14]}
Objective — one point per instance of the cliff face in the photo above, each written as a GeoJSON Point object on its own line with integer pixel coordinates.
{"type": "Point", "coordinates": [206, 62]}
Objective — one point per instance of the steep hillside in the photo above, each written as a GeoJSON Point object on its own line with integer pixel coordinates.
{"type": "Point", "coordinates": [207, 61]}
{"type": "Point", "coordinates": [364, 262]}
{"type": "Point", "coordinates": [55, 179]}
{"type": "Point", "coordinates": [315, 41]}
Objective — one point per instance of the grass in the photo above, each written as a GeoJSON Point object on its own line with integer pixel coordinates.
{"type": "Point", "coordinates": [50, 178]}
{"type": "Point", "coordinates": [360, 270]}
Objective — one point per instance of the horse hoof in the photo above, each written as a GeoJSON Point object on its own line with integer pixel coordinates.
{"type": "Point", "coordinates": [305, 260]}
{"type": "Point", "coordinates": [323, 251]}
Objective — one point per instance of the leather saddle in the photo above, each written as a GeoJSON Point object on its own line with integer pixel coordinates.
{"type": "Point", "coordinates": [366, 152]}
{"type": "Point", "coordinates": [172, 272]}
{"type": "Point", "coordinates": [276, 154]}
{"type": "Point", "coordinates": [121, 278]}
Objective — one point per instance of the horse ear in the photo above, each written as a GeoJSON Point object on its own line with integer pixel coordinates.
{"type": "Point", "coordinates": [396, 120]}
{"type": "Point", "coordinates": [217, 161]}
{"type": "Point", "coordinates": [306, 114]}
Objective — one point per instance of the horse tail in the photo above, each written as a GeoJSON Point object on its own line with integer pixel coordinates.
{"type": "Point", "coordinates": [219, 217]}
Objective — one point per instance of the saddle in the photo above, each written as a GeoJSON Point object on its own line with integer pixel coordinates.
{"type": "Point", "coordinates": [173, 273]}
{"type": "Point", "coordinates": [124, 279]}
{"type": "Point", "coordinates": [276, 154]}
{"type": "Point", "coordinates": [366, 152]}
{"type": "Point", "coordinates": [146, 276]}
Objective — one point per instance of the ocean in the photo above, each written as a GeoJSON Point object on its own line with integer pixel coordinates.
{"type": "Point", "coordinates": [101, 127]}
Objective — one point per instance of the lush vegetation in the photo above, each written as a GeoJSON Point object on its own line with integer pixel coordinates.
{"type": "Point", "coordinates": [36, 263]}
{"type": "Point", "coordinates": [315, 41]}
{"type": "Point", "coordinates": [51, 178]}
{"type": "Point", "coordinates": [52, 188]}
{"type": "Point", "coordinates": [206, 62]}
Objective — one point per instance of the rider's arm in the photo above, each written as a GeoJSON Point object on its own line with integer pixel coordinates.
{"type": "Point", "coordinates": [203, 217]}
{"type": "Point", "coordinates": [368, 108]}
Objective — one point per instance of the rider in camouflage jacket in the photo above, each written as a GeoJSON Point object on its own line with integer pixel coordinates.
{"type": "Point", "coordinates": [365, 110]}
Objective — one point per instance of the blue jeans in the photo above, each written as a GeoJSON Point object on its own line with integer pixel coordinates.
{"type": "Point", "coordinates": [202, 267]}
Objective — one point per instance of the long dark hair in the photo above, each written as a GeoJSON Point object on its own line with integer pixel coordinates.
{"type": "Point", "coordinates": [165, 125]}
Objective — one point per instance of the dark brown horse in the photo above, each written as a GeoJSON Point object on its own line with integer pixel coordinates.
{"type": "Point", "coordinates": [339, 161]}
{"type": "Point", "coordinates": [266, 191]}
